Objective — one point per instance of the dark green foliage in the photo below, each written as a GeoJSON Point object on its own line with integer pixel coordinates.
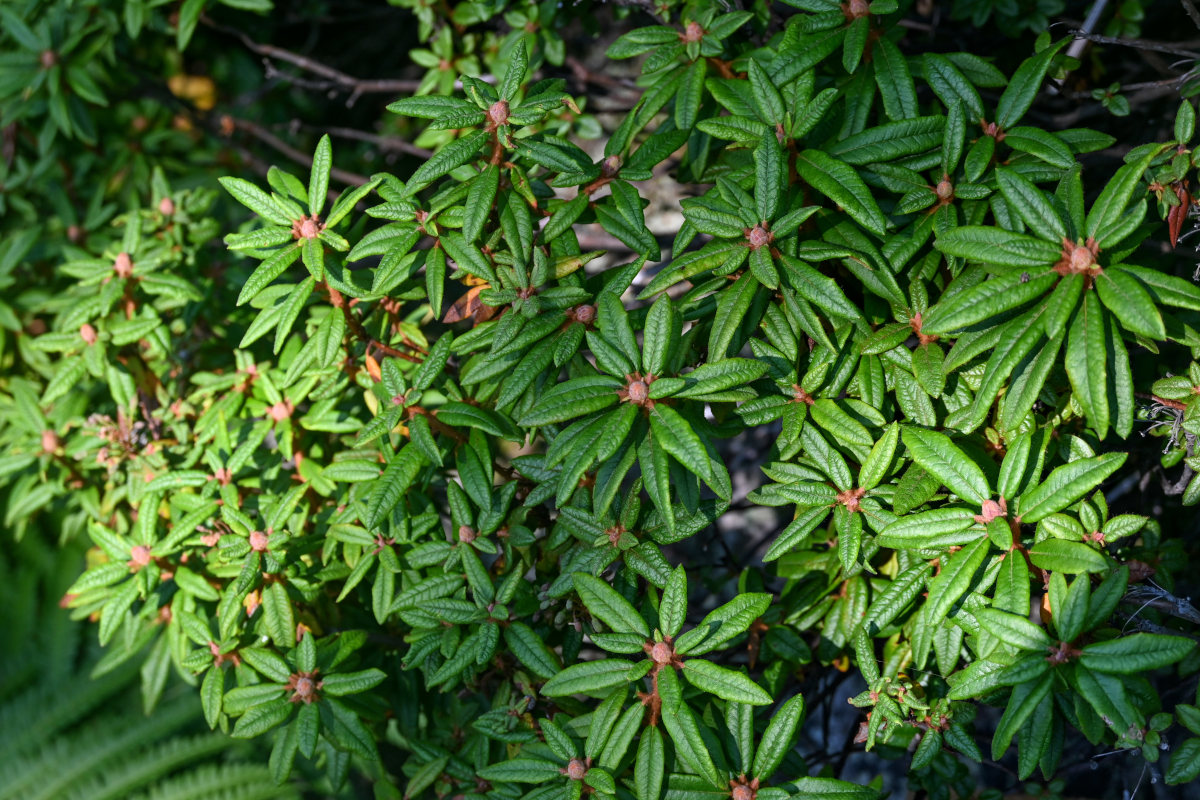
{"type": "Point", "coordinates": [414, 479]}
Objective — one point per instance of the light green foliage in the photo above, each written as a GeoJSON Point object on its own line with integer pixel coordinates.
{"type": "Point", "coordinates": [430, 475]}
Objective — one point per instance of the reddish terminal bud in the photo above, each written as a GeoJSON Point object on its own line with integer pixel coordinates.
{"type": "Point", "coordinates": [258, 541]}
{"type": "Point", "coordinates": [742, 792]}
{"type": "Point", "coordinates": [856, 8]}
{"type": "Point", "coordinates": [638, 392]}
{"type": "Point", "coordinates": [123, 266]}
{"type": "Point", "coordinates": [576, 769]}
{"type": "Point", "coordinates": [945, 189]}
{"type": "Point", "coordinates": [139, 556]}
{"type": "Point", "coordinates": [304, 686]}
{"type": "Point", "coordinates": [166, 207]}
{"type": "Point", "coordinates": [759, 236]}
{"type": "Point", "coordinates": [692, 33]}
{"type": "Point", "coordinates": [662, 653]}
{"type": "Point", "coordinates": [48, 59]}
{"type": "Point", "coordinates": [49, 441]}
{"type": "Point", "coordinates": [992, 510]}
{"type": "Point", "coordinates": [307, 227]}
{"type": "Point", "coordinates": [87, 333]}
{"type": "Point", "coordinates": [466, 534]}
{"type": "Point", "coordinates": [497, 114]}
{"type": "Point", "coordinates": [280, 411]}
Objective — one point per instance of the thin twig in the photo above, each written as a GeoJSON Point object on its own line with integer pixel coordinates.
{"type": "Point", "coordinates": [335, 79]}
{"type": "Point", "coordinates": [1136, 87]}
{"type": "Point", "coordinates": [1137, 44]}
{"type": "Point", "coordinates": [274, 142]}
{"type": "Point", "coordinates": [1089, 25]}
{"type": "Point", "coordinates": [382, 142]}
{"type": "Point", "coordinates": [356, 327]}
{"type": "Point", "coordinates": [1190, 8]}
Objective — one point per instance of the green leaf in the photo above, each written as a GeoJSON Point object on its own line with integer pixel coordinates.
{"type": "Point", "coordinates": [770, 170]}
{"type": "Point", "coordinates": [1024, 86]}
{"type": "Point", "coordinates": [518, 68]}
{"type": "Point", "coordinates": [1131, 304]}
{"type": "Point", "coordinates": [986, 300]}
{"type": "Point", "coordinates": [479, 202]}
{"type": "Point", "coordinates": [936, 528]}
{"type": "Point", "coordinates": [840, 183]}
{"type": "Point", "coordinates": [1014, 630]}
{"type": "Point", "coordinates": [945, 589]}
{"type": "Point", "coordinates": [340, 684]}
{"type": "Point", "coordinates": [996, 246]}
{"type": "Point", "coordinates": [1185, 761]}
{"type": "Point", "coordinates": [1136, 653]}
{"type": "Point", "coordinates": [450, 157]}
{"type": "Point", "coordinates": [571, 399]}
{"type": "Point", "coordinates": [1087, 362]}
{"type": "Point", "coordinates": [879, 460]}
{"type": "Point", "coordinates": [261, 718]}
{"type": "Point", "coordinates": [318, 181]}
{"type": "Point", "coordinates": [590, 677]}
{"type": "Point", "coordinates": [255, 199]}
{"type": "Point", "coordinates": [660, 336]}
{"type": "Point", "coordinates": [1114, 199]}
{"type": "Point", "coordinates": [650, 765]}
{"type": "Point", "coordinates": [267, 271]}
{"type": "Point", "coordinates": [689, 743]}
{"type": "Point", "coordinates": [724, 683]}
{"type": "Point", "coordinates": [1031, 204]}
{"type": "Point", "coordinates": [347, 201]}
{"type": "Point", "coordinates": [521, 770]}
{"type": "Point", "coordinates": [769, 104]}
{"type": "Point", "coordinates": [672, 609]}
{"type": "Point", "coordinates": [778, 738]}
{"type": "Point", "coordinates": [531, 650]}
{"type": "Point", "coordinates": [723, 623]}
{"type": "Point", "coordinates": [944, 460]}
{"type": "Point", "coordinates": [896, 88]}
{"type": "Point", "coordinates": [689, 95]}
{"type": "Point", "coordinates": [399, 475]}
{"type": "Point", "coordinates": [1061, 555]}
{"type": "Point", "coordinates": [1024, 700]}
{"type": "Point", "coordinates": [832, 789]}
{"type": "Point", "coordinates": [603, 602]}
{"type": "Point", "coordinates": [951, 86]}
{"type": "Point", "coordinates": [1068, 483]}
{"type": "Point", "coordinates": [890, 141]}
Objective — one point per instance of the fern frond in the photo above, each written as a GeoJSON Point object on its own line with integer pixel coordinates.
{"type": "Point", "coordinates": [222, 782]}
{"type": "Point", "coordinates": [62, 763]}
{"type": "Point", "coordinates": [37, 715]}
{"type": "Point", "coordinates": [134, 769]}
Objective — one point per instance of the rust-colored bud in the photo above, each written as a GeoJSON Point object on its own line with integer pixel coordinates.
{"type": "Point", "coordinates": [139, 556]}
{"type": "Point", "coordinates": [123, 266]}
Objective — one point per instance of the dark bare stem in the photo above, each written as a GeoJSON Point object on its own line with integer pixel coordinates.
{"type": "Point", "coordinates": [1192, 12]}
{"type": "Point", "coordinates": [275, 143]}
{"type": "Point", "coordinates": [338, 300]}
{"type": "Point", "coordinates": [1137, 44]}
{"type": "Point", "coordinates": [382, 142]}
